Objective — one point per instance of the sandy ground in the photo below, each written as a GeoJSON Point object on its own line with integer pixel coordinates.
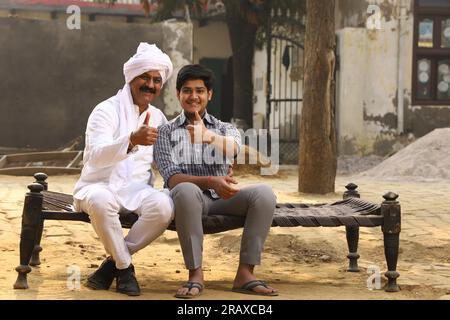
{"type": "Point", "coordinates": [302, 263]}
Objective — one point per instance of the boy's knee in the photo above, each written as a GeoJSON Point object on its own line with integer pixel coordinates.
{"type": "Point", "coordinates": [266, 191]}
{"type": "Point", "coordinates": [264, 194]}
{"type": "Point", "coordinates": [185, 191]}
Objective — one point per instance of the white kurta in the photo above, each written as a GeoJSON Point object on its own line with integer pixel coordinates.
{"type": "Point", "coordinates": [106, 149]}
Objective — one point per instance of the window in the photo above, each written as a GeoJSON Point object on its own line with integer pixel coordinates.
{"type": "Point", "coordinates": [431, 66]}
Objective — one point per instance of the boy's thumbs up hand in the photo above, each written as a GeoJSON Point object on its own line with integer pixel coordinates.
{"type": "Point", "coordinates": [198, 131]}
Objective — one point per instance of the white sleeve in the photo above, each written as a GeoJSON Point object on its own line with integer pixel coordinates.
{"type": "Point", "coordinates": [103, 149]}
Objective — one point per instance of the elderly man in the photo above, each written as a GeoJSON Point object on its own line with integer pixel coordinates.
{"type": "Point", "coordinates": [117, 176]}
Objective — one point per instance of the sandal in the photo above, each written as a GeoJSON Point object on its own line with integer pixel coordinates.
{"type": "Point", "coordinates": [190, 285]}
{"type": "Point", "coordinates": [249, 286]}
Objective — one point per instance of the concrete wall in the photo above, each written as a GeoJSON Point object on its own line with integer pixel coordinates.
{"type": "Point", "coordinates": [52, 77]}
{"type": "Point", "coordinates": [367, 88]}
{"type": "Point", "coordinates": [374, 85]}
{"type": "Point", "coordinates": [211, 40]}
{"type": "Point", "coordinates": [260, 88]}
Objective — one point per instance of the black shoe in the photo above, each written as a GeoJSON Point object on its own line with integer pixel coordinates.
{"type": "Point", "coordinates": [102, 278]}
{"type": "Point", "coordinates": [126, 282]}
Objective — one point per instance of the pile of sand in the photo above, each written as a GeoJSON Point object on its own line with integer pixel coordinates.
{"type": "Point", "coordinates": [351, 165]}
{"type": "Point", "coordinates": [426, 159]}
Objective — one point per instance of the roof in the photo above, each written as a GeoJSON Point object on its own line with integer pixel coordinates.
{"type": "Point", "coordinates": [121, 6]}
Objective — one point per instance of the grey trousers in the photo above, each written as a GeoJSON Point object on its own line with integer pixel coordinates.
{"type": "Point", "coordinates": [256, 203]}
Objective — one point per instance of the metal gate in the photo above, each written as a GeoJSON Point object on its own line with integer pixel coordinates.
{"type": "Point", "coordinates": [284, 97]}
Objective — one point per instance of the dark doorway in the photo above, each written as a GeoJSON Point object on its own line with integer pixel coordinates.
{"type": "Point", "coordinates": [221, 104]}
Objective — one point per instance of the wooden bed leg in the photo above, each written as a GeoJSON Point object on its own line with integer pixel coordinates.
{"type": "Point", "coordinates": [352, 232]}
{"type": "Point", "coordinates": [390, 209]}
{"type": "Point", "coordinates": [352, 242]}
{"type": "Point", "coordinates": [35, 259]}
{"type": "Point", "coordinates": [31, 217]}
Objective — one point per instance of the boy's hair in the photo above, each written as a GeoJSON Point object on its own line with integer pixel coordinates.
{"type": "Point", "coordinates": [195, 72]}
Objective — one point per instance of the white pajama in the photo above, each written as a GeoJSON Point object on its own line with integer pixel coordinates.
{"type": "Point", "coordinates": [155, 214]}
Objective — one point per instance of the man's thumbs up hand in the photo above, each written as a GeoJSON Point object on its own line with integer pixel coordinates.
{"type": "Point", "coordinates": [147, 119]}
{"type": "Point", "coordinates": [145, 135]}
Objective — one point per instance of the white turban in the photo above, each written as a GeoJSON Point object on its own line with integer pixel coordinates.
{"type": "Point", "coordinates": [148, 57]}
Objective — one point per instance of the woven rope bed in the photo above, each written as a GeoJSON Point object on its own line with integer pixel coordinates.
{"type": "Point", "coordinates": [351, 212]}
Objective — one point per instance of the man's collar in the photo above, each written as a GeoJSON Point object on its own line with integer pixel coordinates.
{"type": "Point", "coordinates": [182, 119]}
{"type": "Point", "coordinates": [136, 107]}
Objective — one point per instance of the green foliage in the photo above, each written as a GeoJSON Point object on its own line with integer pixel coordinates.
{"type": "Point", "coordinates": [166, 8]}
{"type": "Point", "coordinates": [254, 11]}
{"type": "Point", "coordinates": [261, 8]}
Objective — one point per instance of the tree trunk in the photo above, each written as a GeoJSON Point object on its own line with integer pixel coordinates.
{"type": "Point", "coordinates": [242, 33]}
{"type": "Point", "coordinates": [317, 149]}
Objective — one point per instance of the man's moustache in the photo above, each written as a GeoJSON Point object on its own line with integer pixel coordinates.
{"type": "Point", "coordinates": [147, 89]}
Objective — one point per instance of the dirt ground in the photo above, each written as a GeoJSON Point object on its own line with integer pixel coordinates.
{"type": "Point", "coordinates": [302, 263]}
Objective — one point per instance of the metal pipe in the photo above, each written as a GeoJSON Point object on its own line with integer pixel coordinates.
{"type": "Point", "coordinates": [400, 79]}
